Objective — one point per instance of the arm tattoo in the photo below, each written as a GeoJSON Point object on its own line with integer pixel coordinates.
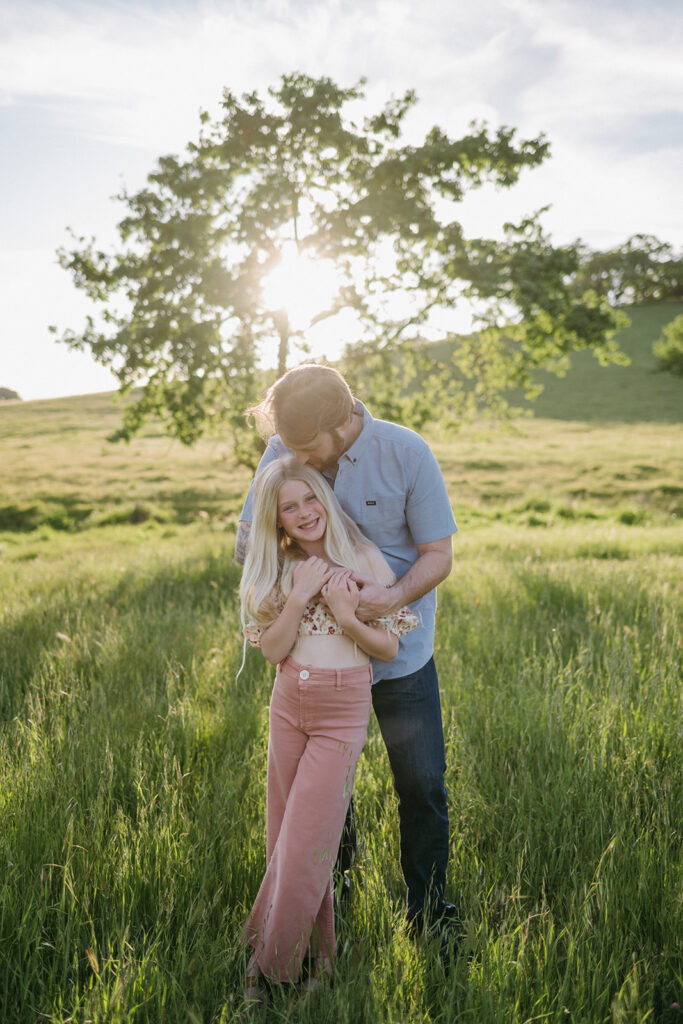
{"type": "Point", "coordinates": [242, 541]}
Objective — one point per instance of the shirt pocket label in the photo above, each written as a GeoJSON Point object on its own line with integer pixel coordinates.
{"type": "Point", "coordinates": [383, 520]}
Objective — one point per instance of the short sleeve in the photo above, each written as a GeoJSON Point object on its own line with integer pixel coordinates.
{"type": "Point", "coordinates": [428, 509]}
{"type": "Point", "coordinates": [400, 622]}
{"type": "Point", "coordinates": [273, 604]}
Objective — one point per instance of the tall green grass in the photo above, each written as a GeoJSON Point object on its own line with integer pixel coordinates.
{"type": "Point", "coordinates": [132, 757]}
{"type": "Point", "coordinates": [132, 803]}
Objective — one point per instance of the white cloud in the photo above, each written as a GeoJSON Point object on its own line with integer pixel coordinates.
{"type": "Point", "coordinates": [118, 84]}
{"type": "Point", "coordinates": [607, 65]}
{"type": "Point", "coordinates": [603, 205]}
{"type": "Point", "coordinates": [138, 75]}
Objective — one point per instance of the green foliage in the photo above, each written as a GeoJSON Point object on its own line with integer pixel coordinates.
{"type": "Point", "coordinates": [668, 349]}
{"type": "Point", "coordinates": [642, 270]}
{"type": "Point", "coordinates": [184, 314]}
{"type": "Point", "coordinates": [7, 395]}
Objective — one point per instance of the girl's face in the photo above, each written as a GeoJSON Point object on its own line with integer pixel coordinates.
{"type": "Point", "coordinates": [300, 514]}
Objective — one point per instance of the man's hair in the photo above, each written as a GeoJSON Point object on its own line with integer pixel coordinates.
{"type": "Point", "coordinates": [304, 402]}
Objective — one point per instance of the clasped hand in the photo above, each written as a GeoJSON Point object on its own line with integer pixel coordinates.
{"type": "Point", "coordinates": [310, 576]}
{"type": "Point", "coordinates": [374, 599]}
{"type": "Point", "coordinates": [341, 595]}
{"type": "Point", "coordinates": [336, 586]}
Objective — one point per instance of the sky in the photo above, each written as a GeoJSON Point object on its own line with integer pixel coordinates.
{"type": "Point", "coordinates": [93, 93]}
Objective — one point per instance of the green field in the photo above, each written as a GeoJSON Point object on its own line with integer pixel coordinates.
{"type": "Point", "coordinates": [132, 760]}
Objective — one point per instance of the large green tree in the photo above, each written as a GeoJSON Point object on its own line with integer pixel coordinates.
{"type": "Point", "coordinates": [183, 311]}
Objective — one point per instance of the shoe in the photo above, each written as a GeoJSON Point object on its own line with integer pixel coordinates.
{"type": "Point", "coordinates": [254, 990]}
{"type": "Point", "coordinates": [443, 927]}
{"type": "Point", "coordinates": [447, 920]}
{"type": "Point", "coordinates": [438, 919]}
{"type": "Point", "coordinates": [319, 969]}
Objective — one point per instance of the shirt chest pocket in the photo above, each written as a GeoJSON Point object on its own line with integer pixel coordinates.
{"type": "Point", "coordinates": [383, 520]}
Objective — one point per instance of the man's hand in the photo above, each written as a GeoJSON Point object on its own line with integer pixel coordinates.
{"type": "Point", "coordinates": [431, 567]}
{"type": "Point", "coordinates": [375, 600]}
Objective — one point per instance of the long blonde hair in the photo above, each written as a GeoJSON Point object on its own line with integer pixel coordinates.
{"type": "Point", "coordinates": [272, 554]}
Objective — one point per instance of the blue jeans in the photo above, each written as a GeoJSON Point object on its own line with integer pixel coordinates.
{"type": "Point", "coordinates": [408, 711]}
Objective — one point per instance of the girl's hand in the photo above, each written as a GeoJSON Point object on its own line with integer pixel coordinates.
{"type": "Point", "coordinates": [341, 596]}
{"type": "Point", "coordinates": [309, 577]}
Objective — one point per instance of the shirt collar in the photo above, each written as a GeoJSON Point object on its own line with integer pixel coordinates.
{"type": "Point", "coordinates": [360, 444]}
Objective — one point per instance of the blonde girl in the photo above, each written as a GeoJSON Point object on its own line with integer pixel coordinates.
{"type": "Point", "coordinates": [299, 602]}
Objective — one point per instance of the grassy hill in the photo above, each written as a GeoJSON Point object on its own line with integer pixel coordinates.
{"type": "Point", "coordinates": [621, 394]}
{"type": "Point", "coordinates": [604, 442]}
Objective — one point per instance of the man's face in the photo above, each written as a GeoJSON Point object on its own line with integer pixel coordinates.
{"type": "Point", "coordinates": [322, 453]}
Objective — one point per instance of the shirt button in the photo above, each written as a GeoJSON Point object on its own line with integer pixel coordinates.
{"type": "Point", "coordinates": [304, 674]}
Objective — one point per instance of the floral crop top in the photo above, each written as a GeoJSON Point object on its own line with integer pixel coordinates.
{"type": "Point", "coordinates": [318, 620]}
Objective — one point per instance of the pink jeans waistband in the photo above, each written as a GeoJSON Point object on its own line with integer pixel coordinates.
{"type": "Point", "coordinates": [313, 674]}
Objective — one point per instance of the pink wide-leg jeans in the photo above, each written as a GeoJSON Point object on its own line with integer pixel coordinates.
{"type": "Point", "coordinates": [318, 723]}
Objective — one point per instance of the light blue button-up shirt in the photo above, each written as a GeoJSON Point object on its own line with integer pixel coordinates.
{"type": "Point", "coordinates": [390, 484]}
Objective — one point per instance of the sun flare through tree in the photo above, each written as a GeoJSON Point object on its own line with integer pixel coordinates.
{"type": "Point", "coordinates": [288, 214]}
{"type": "Point", "coordinates": [296, 290]}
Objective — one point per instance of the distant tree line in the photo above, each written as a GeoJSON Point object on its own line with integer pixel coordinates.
{"type": "Point", "coordinates": [6, 395]}
{"type": "Point", "coordinates": [643, 269]}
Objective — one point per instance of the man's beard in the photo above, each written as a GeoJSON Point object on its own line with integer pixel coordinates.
{"type": "Point", "coordinates": [338, 448]}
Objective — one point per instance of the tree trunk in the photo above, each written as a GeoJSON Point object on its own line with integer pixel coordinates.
{"type": "Point", "coordinates": [281, 321]}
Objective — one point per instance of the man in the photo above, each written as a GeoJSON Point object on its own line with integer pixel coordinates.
{"type": "Point", "coordinates": [388, 481]}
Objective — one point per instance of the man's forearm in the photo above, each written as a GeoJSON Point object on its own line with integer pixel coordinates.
{"type": "Point", "coordinates": [432, 565]}
{"type": "Point", "coordinates": [242, 541]}
{"type": "Point", "coordinates": [430, 569]}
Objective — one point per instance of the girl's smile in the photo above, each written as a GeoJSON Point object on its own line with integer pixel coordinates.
{"type": "Point", "coordinates": [301, 515]}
